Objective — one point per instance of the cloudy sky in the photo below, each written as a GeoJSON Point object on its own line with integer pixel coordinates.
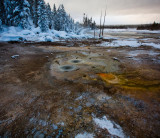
{"type": "Point", "coordinates": [118, 11]}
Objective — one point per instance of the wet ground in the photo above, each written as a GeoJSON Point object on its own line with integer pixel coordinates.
{"type": "Point", "coordinates": [78, 89]}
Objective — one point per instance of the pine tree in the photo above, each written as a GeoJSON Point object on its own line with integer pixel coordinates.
{"type": "Point", "coordinates": [0, 25]}
{"type": "Point", "coordinates": [35, 13]}
{"type": "Point", "coordinates": [69, 24]}
{"type": "Point", "coordinates": [50, 17]}
{"type": "Point", "coordinates": [23, 12]}
{"type": "Point", "coordinates": [54, 10]}
{"type": "Point", "coordinates": [93, 25]}
{"type": "Point", "coordinates": [88, 22]}
{"type": "Point", "coordinates": [2, 12]}
{"type": "Point", "coordinates": [32, 7]}
{"type": "Point", "coordinates": [9, 8]}
{"type": "Point", "coordinates": [20, 14]}
{"type": "Point", "coordinates": [60, 22]}
{"type": "Point", "coordinates": [54, 15]}
{"type": "Point", "coordinates": [42, 16]}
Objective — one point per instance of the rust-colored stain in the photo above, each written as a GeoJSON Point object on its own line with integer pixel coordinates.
{"type": "Point", "coordinates": [109, 78]}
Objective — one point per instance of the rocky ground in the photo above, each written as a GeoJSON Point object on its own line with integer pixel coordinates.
{"type": "Point", "coordinates": [78, 89]}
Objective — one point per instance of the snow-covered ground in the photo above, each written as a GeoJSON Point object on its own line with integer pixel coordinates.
{"type": "Point", "coordinates": [131, 38]}
{"type": "Point", "coordinates": [35, 35]}
{"type": "Point", "coordinates": [112, 127]}
{"type": "Point", "coordinates": [128, 42]}
{"type": "Point", "coordinates": [117, 43]}
{"type": "Point", "coordinates": [133, 30]}
{"type": "Point", "coordinates": [18, 34]}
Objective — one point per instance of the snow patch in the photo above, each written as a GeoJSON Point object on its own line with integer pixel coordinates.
{"type": "Point", "coordinates": [79, 98]}
{"type": "Point", "coordinates": [84, 135]}
{"type": "Point", "coordinates": [35, 34]}
{"type": "Point", "coordinates": [61, 123]}
{"type": "Point", "coordinates": [103, 97]}
{"type": "Point", "coordinates": [138, 52]}
{"type": "Point", "coordinates": [117, 43]}
{"type": "Point", "coordinates": [11, 38]}
{"type": "Point", "coordinates": [112, 127]}
{"type": "Point", "coordinates": [152, 44]}
{"type": "Point", "coordinates": [55, 127]}
{"type": "Point", "coordinates": [49, 39]}
{"type": "Point", "coordinates": [128, 42]}
{"type": "Point", "coordinates": [14, 56]}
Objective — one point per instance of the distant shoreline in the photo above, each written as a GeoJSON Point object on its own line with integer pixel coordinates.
{"type": "Point", "coordinates": [138, 26]}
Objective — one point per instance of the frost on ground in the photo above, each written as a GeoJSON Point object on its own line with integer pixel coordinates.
{"type": "Point", "coordinates": [84, 135]}
{"type": "Point", "coordinates": [152, 44]}
{"type": "Point", "coordinates": [116, 43]}
{"type": "Point", "coordinates": [130, 43]}
{"type": "Point", "coordinates": [138, 52]}
{"type": "Point", "coordinates": [113, 128]}
{"type": "Point", "coordinates": [35, 34]}
{"type": "Point", "coordinates": [129, 37]}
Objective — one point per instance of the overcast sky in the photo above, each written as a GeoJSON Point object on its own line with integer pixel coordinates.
{"type": "Point", "coordinates": [118, 11]}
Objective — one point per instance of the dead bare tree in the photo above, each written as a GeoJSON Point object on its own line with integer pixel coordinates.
{"type": "Point", "coordinates": [104, 19]}
{"type": "Point", "coordinates": [100, 25]}
{"type": "Point", "coordinates": [104, 23]}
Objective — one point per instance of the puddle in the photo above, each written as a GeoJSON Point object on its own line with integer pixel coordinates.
{"type": "Point", "coordinates": [76, 61]}
{"type": "Point", "coordinates": [68, 68]}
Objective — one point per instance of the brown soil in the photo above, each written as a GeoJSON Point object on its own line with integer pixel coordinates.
{"type": "Point", "coordinates": [39, 99]}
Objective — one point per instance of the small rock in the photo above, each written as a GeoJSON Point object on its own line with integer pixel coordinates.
{"type": "Point", "coordinates": [129, 57]}
{"type": "Point", "coordinates": [114, 58]}
{"type": "Point", "coordinates": [14, 56]}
